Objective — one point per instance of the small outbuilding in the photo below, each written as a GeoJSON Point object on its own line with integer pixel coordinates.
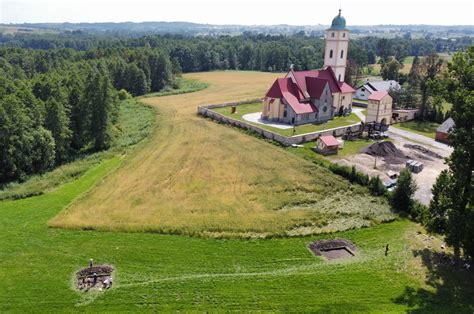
{"type": "Point", "coordinates": [327, 145]}
{"type": "Point", "coordinates": [443, 130]}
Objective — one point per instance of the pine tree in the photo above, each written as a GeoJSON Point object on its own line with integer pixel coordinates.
{"type": "Point", "coordinates": [402, 197]}
{"type": "Point", "coordinates": [57, 121]}
{"type": "Point", "coordinates": [458, 89]}
{"type": "Point", "coordinates": [102, 100]}
{"type": "Point", "coordinates": [440, 204]}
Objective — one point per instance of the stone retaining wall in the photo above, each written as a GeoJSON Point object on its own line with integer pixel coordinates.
{"type": "Point", "coordinates": [207, 111]}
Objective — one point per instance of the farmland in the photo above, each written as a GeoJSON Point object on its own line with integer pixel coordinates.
{"type": "Point", "coordinates": [157, 272]}
{"type": "Point", "coordinates": [196, 177]}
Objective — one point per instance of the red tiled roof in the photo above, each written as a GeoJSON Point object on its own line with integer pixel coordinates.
{"type": "Point", "coordinates": [315, 86]}
{"type": "Point", "coordinates": [346, 88]}
{"type": "Point", "coordinates": [298, 86]}
{"type": "Point", "coordinates": [329, 140]}
{"type": "Point", "coordinates": [286, 89]}
{"type": "Point", "coordinates": [378, 95]}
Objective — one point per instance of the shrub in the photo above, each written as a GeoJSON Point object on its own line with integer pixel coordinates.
{"type": "Point", "coordinates": [376, 186]}
{"type": "Point", "coordinates": [402, 197]}
{"type": "Point", "coordinates": [123, 94]}
{"type": "Point", "coordinates": [419, 212]}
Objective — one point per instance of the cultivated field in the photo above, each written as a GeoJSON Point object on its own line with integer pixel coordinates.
{"type": "Point", "coordinates": [197, 177]}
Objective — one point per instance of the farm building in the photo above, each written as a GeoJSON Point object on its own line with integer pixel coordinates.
{"type": "Point", "coordinates": [443, 130]}
{"type": "Point", "coordinates": [327, 145]}
{"type": "Point", "coordinates": [314, 96]}
{"type": "Point", "coordinates": [402, 115]}
{"type": "Point", "coordinates": [363, 92]}
{"type": "Point", "coordinates": [379, 108]}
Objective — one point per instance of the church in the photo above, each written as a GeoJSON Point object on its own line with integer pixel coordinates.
{"type": "Point", "coordinates": [314, 96]}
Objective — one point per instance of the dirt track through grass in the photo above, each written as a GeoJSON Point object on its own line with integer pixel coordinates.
{"type": "Point", "coordinates": [197, 177]}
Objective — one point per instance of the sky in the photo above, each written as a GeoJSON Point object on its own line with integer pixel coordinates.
{"type": "Point", "coordinates": [245, 12]}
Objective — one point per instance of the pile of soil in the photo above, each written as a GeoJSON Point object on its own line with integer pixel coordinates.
{"type": "Point", "coordinates": [424, 150]}
{"type": "Point", "coordinates": [333, 249]}
{"type": "Point", "coordinates": [99, 276]}
{"type": "Point", "coordinates": [387, 151]}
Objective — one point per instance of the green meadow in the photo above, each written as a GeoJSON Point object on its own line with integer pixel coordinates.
{"type": "Point", "coordinates": [158, 272]}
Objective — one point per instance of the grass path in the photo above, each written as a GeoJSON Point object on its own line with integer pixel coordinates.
{"type": "Point", "coordinates": [197, 177]}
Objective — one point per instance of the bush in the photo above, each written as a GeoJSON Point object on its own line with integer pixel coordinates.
{"type": "Point", "coordinates": [351, 174]}
{"type": "Point", "coordinates": [402, 197]}
{"type": "Point", "coordinates": [123, 94]}
{"type": "Point", "coordinates": [419, 212]}
{"type": "Point", "coordinates": [376, 186]}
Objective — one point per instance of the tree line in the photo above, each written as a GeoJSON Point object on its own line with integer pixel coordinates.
{"type": "Point", "coordinates": [62, 88]}
{"type": "Point", "coordinates": [451, 211]}
{"type": "Point", "coordinates": [58, 104]}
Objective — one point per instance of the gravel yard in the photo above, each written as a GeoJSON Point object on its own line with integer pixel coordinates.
{"type": "Point", "coordinates": [432, 157]}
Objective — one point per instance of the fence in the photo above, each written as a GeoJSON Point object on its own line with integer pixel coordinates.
{"type": "Point", "coordinates": [207, 111]}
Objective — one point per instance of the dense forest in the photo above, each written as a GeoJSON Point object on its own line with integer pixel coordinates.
{"type": "Point", "coordinates": [59, 93]}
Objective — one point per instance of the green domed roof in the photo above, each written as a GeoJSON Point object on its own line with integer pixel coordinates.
{"type": "Point", "coordinates": [339, 22]}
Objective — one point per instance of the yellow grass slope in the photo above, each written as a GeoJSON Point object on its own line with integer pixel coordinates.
{"type": "Point", "coordinates": [197, 177]}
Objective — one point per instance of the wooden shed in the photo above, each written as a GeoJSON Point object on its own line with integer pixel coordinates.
{"type": "Point", "coordinates": [443, 130]}
{"type": "Point", "coordinates": [327, 145]}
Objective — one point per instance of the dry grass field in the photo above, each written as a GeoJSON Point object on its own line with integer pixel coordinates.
{"type": "Point", "coordinates": [196, 177]}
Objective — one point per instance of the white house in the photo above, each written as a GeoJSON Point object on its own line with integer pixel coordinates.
{"type": "Point", "coordinates": [364, 91]}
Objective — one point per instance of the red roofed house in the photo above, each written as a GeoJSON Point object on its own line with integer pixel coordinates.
{"type": "Point", "coordinates": [327, 145]}
{"type": "Point", "coordinates": [379, 108]}
{"type": "Point", "coordinates": [316, 95]}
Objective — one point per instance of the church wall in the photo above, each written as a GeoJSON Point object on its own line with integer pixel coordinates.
{"type": "Point", "coordinates": [346, 100]}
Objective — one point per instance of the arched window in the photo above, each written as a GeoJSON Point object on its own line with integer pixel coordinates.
{"type": "Point", "coordinates": [339, 77]}
{"type": "Point", "coordinates": [342, 54]}
{"type": "Point", "coordinates": [332, 34]}
{"type": "Point", "coordinates": [330, 53]}
{"type": "Point", "coordinates": [343, 34]}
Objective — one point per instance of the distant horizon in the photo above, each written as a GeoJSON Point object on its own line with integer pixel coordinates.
{"type": "Point", "coordinates": [246, 25]}
{"type": "Point", "coordinates": [242, 13]}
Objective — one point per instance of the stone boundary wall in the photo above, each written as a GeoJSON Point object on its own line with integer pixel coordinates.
{"type": "Point", "coordinates": [359, 104]}
{"type": "Point", "coordinates": [206, 111]}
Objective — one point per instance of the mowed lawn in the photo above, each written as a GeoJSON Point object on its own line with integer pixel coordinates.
{"type": "Point", "coordinates": [176, 273]}
{"type": "Point", "coordinates": [197, 177]}
{"type": "Point", "coordinates": [300, 129]}
{"type": "Point", "coordinates": [423, 128]}
{"type": "Point", "coordinates": [162, 273]}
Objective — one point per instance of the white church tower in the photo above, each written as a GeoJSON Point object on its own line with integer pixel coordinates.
{"type": "Point", "coordinates": [337, 43]}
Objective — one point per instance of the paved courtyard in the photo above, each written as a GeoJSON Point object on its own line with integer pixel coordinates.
{"type": "Point", "coordinates": [256, 118]}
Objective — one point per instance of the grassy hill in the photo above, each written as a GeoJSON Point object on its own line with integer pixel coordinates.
{"type": "Point", "coordinates": [197, 177]}
{"type": "Point", "coordinates": [168, 273]}
{"type": "Point", "coordinates": [176, 273]}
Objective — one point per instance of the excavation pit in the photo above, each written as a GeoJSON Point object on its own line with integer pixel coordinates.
{"type": "Point", "coordinates": [97, 277]}
{"type": "Point", "coordinates": [333, 249]}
